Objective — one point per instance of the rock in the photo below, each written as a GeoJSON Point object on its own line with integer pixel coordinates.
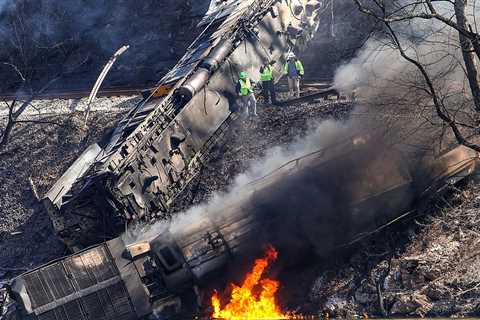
{"type": "Point", "coordinates": [317, 287]}
{"type": "Point", "coordinates": [410, 274]}
{"type": "Point", "coordinates": [366, 293]}
{"type": "Point", "coordinates": [444, 307]}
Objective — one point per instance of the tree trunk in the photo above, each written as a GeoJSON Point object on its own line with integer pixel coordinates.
{"type": "Point", "coordinates": [12, 120]}
{"type": "Point", "coordinates": [6, 133]}
{"type": "Point", "coordinates": [467, 52]}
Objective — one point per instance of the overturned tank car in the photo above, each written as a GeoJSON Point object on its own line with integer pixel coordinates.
{"type": "Point", "coordinates": [164, 272]}
{"type": "Point", "coordinates": [161, 144]}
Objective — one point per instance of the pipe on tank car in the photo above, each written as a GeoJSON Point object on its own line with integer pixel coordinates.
{"type": "Point", "coordinates": [193, 85]}
{"type": "Point", "coordinates": [217, 55]}
{"type": "Point", "coordinates": [207, 67]}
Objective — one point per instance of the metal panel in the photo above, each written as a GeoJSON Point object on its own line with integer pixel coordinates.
{"type": "Point", "coordinates": [63, 284]}
{"type": "Point", "coordinates": [222, 10]}
{"type": "Point", "coordinates": [104, 300]}
{"type": "Point", "coordinates": [94, 309]}
{"type": "Point", "coordinates": [37, 289]}
{"type": "Point", "coordinates": [110, 303]}
{"type": "Point", "coordinates": [120, 301]}
{"type": "Point", "coordinates": [76, 170]}
{"type": "Point", "coordinates": [73, 310]}
{"type": "Point", "coordinates": [48, 316]}
{"type": "Point", "coordinates": [130, 277]}
{"type": "Point", "coordinates": [99, 264]}
{"type": "Point", "coordinates": [187, 63]}
{"type": "Point", "coordinates": [57, 280]}
{"type": "Point", "coordinates": [80, 276]}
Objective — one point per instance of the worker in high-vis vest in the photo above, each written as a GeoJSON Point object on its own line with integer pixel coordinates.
{"type": "Point", "coordinates": [268, 83]}
{"type": "Point", "coordinates": [247, 97]}
{"type": "Point", "coordinates": [294, 71]}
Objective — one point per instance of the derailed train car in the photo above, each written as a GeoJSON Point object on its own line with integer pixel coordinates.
{"type": "Point", "coordinates": [161, 274]}
{"type": "Point", "coordinates": [162, 143]}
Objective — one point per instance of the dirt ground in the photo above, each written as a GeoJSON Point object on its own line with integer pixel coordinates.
{"type": "Point", "coordinates": [40, 153]}
{"type": "Point", "coordinates": [425, 265]}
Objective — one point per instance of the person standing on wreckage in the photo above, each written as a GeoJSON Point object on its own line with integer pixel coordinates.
{"type": "Point", "coordinates": [268, 82]}
{"type": "Point", "coordinates": [294, 71]}
{"type": "Point", "coordinates": [245, 92]}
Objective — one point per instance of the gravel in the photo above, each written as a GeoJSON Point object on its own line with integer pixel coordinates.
{"type": "Point", "coordinates": [39, 152]}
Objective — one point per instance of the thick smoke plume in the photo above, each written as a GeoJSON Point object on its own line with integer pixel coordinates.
{"type": "Point", "coordinates": [311, 208]}
{"type": "Point", "coordinates": [392, 127]}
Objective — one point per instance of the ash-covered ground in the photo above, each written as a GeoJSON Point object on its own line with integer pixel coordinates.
{"type": "Point", "coordinates": [424, 265]}
{"type": "Point", "coordinates": [37, 155]}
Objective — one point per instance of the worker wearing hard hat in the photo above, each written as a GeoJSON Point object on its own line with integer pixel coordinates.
{"type": "Point", "coordinates": [247, 97]}
{"type": "Point", "coordinates": [294, 71]}
{"type": "Point", "coordinates": [268, 85]}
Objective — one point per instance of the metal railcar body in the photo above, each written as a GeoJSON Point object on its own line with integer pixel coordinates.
{"type": "Point", "coordinates": [161, 144]}
{"type": "Point", "coordinates": [162, 274]}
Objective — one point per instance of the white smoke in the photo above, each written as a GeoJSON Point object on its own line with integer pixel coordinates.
{"type": "Point", "coordinates": [429, 41]}
{"type": "Point", "coordinates": [385, 81]}
{"type": "Point", "coordinates": [373, 65]}
{"type": "Point", "coordinates": [320, 135]}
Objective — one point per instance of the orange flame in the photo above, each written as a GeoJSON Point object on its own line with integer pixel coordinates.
{"type": "Point", "coordinates": [244, 303]}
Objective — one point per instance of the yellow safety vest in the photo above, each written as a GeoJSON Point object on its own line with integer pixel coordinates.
{"type": "Point", "coordinates": [245, 87]}
{"type": "Point", "coordinates": [267, 74]}
{"type": "Point", "coordinates": [298, 66]}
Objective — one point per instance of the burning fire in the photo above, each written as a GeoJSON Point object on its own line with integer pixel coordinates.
{"type": "Point", "coordinates": [255, 299]}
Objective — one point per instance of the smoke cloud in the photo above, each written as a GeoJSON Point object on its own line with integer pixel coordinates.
{"type": "Point", "coordinates": [340, 193]}
{"type": "Point", "coordinates": [388, 85]}
{"type": "Point", "coordinates": [311, 207]}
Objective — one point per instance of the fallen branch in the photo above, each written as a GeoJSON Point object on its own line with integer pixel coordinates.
{"type": "Point", "coordinates": [468, 290]}
{"type": "Point", "coordinates": [34, 189]}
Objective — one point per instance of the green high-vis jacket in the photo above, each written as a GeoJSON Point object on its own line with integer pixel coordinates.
{"type": "Point", "coordinates": [298, 66]}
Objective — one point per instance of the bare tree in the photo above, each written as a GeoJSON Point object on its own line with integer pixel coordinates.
{"type": "Point", "coordinates": [34, 58]}
{"type": "Point", "coordinates": [451, 15]}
